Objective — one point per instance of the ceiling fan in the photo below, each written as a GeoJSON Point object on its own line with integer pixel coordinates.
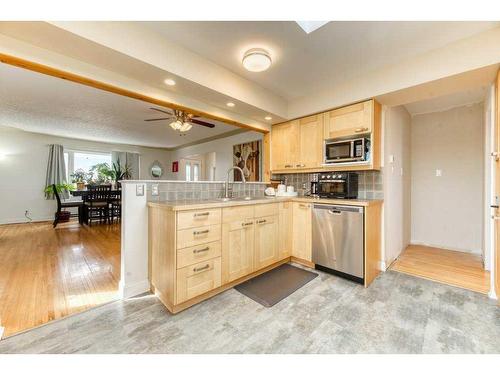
{"type": "Point", "coordinates": [182, 121]}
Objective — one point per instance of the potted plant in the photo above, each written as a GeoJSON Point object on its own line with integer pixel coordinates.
{"type": "Point", "coordinates": [59, 188]}
{"type": "Point", "coordinates": [102, 173]}
{"type": "Point", "coordinates": [79, 177]}
{"type": "Point", "coordinates": [120, 173]}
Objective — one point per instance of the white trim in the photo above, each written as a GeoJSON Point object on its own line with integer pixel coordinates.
{"type": "Point", "coordinates": [492, 293]}
{"type": "Point", "coordinates": [131, 290]}
{"type": "Point", "coordinates": [2, 329]}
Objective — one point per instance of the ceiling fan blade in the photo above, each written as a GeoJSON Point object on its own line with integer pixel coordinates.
{"type": "Point", "coordinates": [158, 119]}
{"type": "Point", "coordinates": [162, 111]}
{"type": "Point", "coordinates": [202, 123]}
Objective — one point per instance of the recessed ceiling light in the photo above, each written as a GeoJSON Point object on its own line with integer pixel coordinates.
{"type": "Point", "coordinates": [268, 118]}
{"type": "Point", "coordinates": [256, 60]}
{"type": "Point", "coordinates": [230, 104]}
{"type": "Point", "coordinates": [169, 82]}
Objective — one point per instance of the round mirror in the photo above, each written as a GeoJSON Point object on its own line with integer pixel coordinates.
{"type": "Point", "coordinates": [156, 170]}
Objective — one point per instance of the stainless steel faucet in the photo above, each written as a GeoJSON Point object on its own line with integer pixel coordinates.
{"type": "Point", "coordinates": [226, 190]}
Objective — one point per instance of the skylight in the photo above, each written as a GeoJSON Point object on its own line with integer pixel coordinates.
{"type": "Point", "coordinates": [310, 26]}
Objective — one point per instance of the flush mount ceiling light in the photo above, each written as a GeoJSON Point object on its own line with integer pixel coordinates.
{"type": "Point", "coordinates": [230, 104]}
{"type": "Point", "coordinates": [256, 60]}
{"type": "Point", "coordinates": [169, 82]}
{"type": "Point", "coordinates": [268, 118]}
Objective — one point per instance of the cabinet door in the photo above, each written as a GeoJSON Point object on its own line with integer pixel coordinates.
{"type": "Point", "coordinates": [311, 142]}
{"type": "Point", "coordinates": [285, 229]}
{"type": "Point", "coordinates": [355, 119]}
{"type": "Point", "coordinates": [266, 241]}
{"type": "Point", "coordinates": [285, 144]}
{"type": "Point", "coordinates": [237, 249]}
{"type": "Point", "coordinates": [302, 231]}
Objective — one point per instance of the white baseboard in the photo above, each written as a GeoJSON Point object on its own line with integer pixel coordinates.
{"type": "Point", "coordinates": [21, 220]}
{"type": "Point", "coordinates": [131, 290]}
{"type": "Point", "coordinates": [2, 329]}
{"type": "Point", "coordinates": [382, 266]}
{"type": "Point", "coordinates": [492, 294]}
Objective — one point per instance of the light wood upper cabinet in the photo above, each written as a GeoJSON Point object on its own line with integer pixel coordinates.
{"type": "Point", "coordinates": [285, 145]}
{"type": "Point", "coordinates": [311, 140]}
{"type": "Point", "coordinates": [297, 144]}
{"type": "Point", "coordinates": [302, 231]}
{"type": "Point", "coordinates": [356, 119]}
{"type": "Point", "coordinates": [266, 241]}
{"type": "Point", "coordinates": [237, 249]}
{"type": "Point", "coordinates": [285, 229]}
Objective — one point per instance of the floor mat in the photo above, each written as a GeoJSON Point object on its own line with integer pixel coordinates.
{"type": "Point", "coordinates": [273, 286]}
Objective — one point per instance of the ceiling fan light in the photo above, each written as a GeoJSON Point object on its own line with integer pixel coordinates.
{"type": "Point", "coordinates": [176, 125]}
{"type": "Point", "coordinates": [185, 127]}
{"type": "Point", "coordinates": [256, 60]}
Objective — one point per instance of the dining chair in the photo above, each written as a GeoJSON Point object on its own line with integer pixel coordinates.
{"type": "Point", "coordinates": [97, 203]}
{"type": "Point", "coordinates": [60, 205]}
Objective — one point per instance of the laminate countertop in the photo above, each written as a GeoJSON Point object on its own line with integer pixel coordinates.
{"type": "Point", "coordinates": [183, 205]}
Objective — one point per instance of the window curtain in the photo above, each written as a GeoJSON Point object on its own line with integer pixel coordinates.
{"type": "Point", "coordinates": [130, 159]}
{"type": "Point", "coordinates": [56, 170]}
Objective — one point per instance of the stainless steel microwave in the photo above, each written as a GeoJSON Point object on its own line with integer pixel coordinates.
{"type": "Point", "coordinates": [347, 150]}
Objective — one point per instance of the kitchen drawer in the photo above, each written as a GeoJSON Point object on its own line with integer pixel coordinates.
{"type": "Point", "coordinates": [199, 253]}
{"type": "Point", "coordinates": [197, 279]}
{"type": "Point", "coordinates": [270, 209]}
{"type": "Point", "coordinates": [197, 236]}
{"type": "Point", "coordinates": [230, 214]}
{"type": "Point", "coordinates": [197, 218]}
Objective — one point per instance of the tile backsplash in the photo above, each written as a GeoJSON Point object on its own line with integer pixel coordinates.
{"type": "Point", "coordinates": [181, 190]}
{"type": "Point", "coordinates": [370, 183]}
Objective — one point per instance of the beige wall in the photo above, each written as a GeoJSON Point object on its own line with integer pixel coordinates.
{"type": "Point", "coordinates": [447, 211]}
{"type": "Point", "coordinates": [397, 182]}
{"type": "Point", "coordinates": [22, 170]}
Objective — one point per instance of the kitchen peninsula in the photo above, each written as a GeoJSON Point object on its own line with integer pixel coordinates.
{"type": "Point", "coordinates": [201, 248]}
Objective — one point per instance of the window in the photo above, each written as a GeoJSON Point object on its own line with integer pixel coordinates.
{"type": "Point", "coordinates": [188, 171]}
{"type": "Point", "coordinates": [85, 160]}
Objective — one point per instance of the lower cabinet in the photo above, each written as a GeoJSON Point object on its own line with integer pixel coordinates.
{"type": "Point", "coordinates": [237, 249]}
{"type": "Point", "coordinates": [285, 229]}
{"type": "Point", "coordinates": [302, 231]}
{"type": "Point", "coordinates": [266, 241]}
{"type": "Point", "coordinates": [198, 279]}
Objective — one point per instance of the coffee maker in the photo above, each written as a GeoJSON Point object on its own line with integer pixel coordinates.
{"type": "Point", "coordinates": [314, 185]}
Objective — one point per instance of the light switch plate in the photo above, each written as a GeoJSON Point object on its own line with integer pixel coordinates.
{"type": "Point", "coordinates": [439, 172]}
{"type": "Point", "coordinates": [154, 190]}
{"type": "Point", "coordinates": [391, 158]}
{"type": "Point", "coordinates": [139, 190]}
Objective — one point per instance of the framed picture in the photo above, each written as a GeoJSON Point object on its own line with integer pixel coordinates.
{"type": "Point", "coordinates": [247, 156]}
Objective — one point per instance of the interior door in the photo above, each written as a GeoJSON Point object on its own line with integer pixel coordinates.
{"type": "Point", "coordinates": [497, 186]}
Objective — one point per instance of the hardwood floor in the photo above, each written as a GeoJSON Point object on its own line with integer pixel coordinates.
{"type": "Point", "coordinates": [48, 273]}
{"type": "Point", "coordinates": [446, 266]}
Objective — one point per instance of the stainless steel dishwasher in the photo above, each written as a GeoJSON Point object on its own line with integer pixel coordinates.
{"type": "Point", "coordinates": [338, 240]}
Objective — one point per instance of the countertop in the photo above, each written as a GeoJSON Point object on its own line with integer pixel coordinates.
{"type": "Point", "coordinates": [182, 205]}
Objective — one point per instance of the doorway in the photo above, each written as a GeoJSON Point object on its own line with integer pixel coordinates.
{"type": "Point", "coordinates": [449, 184]}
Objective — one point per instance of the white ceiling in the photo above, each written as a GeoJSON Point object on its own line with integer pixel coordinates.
{"type": "Point", "coordinates": [304, 64]}
{"type": "Point", "coordinates": [43, 104]}
{"type": "Point", "coordinates": [445, 102]}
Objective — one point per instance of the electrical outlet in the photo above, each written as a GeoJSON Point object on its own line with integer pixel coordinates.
{"type": "Point", "coordinates": [154, 190]}
{"type": "Point", "coordinates": [139, 190]}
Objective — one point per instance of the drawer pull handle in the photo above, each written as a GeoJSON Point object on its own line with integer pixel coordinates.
{"type": "Point", "coordinates": [202, 214]}
{"type": "Point", "coordinates": [261, 221]}
{"type": "Point", "coordinates": [196, 251]}
{"type": "Point", "coordinates": [359, 130]}
{"type": "Point", "coordinates": [303, 205]}
{"type": "Point", "coordinates": [300, 165]}
{"type": "Point", "coordinates": [206, 266]}
{"type": "Point", "coordinates": [201, 232]}
{"type": "Point", "coordinates": [288, 166]}
{"type": "Point", "coordinates": [246, 224]}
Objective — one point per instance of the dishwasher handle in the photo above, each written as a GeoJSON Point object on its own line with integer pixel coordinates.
{"type": "Point", "coordinates": [337, 210]}
{"type": "Point", "coordinates": [334, 211]}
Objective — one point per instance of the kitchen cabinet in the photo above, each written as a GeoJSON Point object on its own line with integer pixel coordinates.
{"type": "Point", "coordinates": [237, 249]}
{"type": "Point", "coordinates": [285, 229]}
{"type": "Point", "coordinates": [285, 145]}
{"type": "Point", "coordinates": [353, 120]}
{"type": "Point", "coordinates": [266, 241]}
{"type": "Point", "coordinates": [297, 145]}
{"type": "Point", "coordinates": [302, 231]}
